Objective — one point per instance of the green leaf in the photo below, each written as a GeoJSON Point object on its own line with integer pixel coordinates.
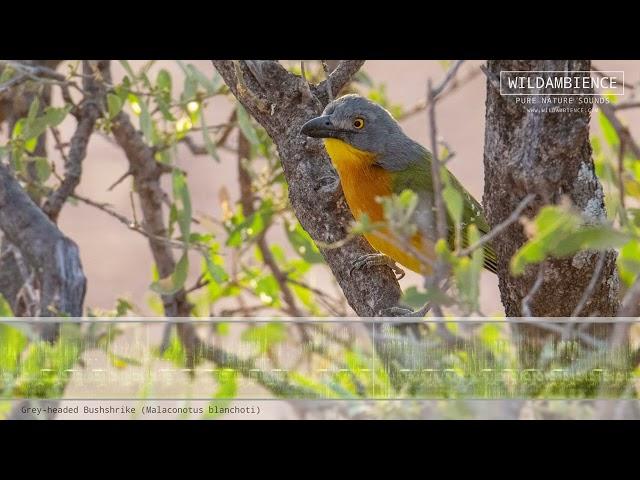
{"type": "Point", "coordinates": [251, 226]}
{"type": "Point", "coordinates": [123, 307]}
{"type": "Point", "coordinates": [114, 104]}
{"type": "Point", "coordinates": [128, 69]}
{"type": "Point", "coordinates": [408, 199]}
{"type": "Point", "coordinates": [55, 116]}
{"type": "Point", "coordinates": [181, 271]}
{"type": "Point", "coordinates": [5, 308]}
{"type": "Point", "coordinates": [18, 128]}
{"type": "Point", "coordinates": [30, 145]}
{"type": "Point", "coordinates": [215, 270]}
{"type": "Point", "coordinates": [190, 89]}
{"type": "Point", "coordinates": [208, 143]}
{"type": "Point", "coordinates": [552, 224]}
{"type": "Point", "coordinates": [227, 380]}
{"type": "Point", "coordinates": [33, 129]}
{"type": "Point", "coordinates": [34, 108]}
{"type": "Point", "coordinates": [268, 290]}
{"type": "Point", "coordinates": [182, 201]}
{"type": "Point", "coordinates": [598, 237]}
{"type": "Point", "coordinates": [175, 353]}
{"type": "Point", "coordinates": [629, 261]}
{"type": "Point", "coordinates": [145, 122]}
{"type": "Point", "coordinates": [174, 282]}
{"type": "Point", "coordinates": [163, 81]}
{"type": "Point", "coordinates": [201, 79]}
{"type": "Point", "coordinates": [120, 361]}
{"type": "Point", "coordinates": [7, 74]}
{"type": "Point", "coordinates": [467, 273]}
{"type": "Point", "coordinates": [265, 336]}
{"type": "Point", "coordinates": [608, 131]}
{"type": "Point", "coordinates": [302, 243]}
{"type": "Point", "coordinates": [43, 168]}
{"type": "Point", "coordinates": [413, 298]}
{"type": "Point", "coordinates": [559, 233]}
{"type": "Point", "coordinates": [244, 122]}
{"type": "Point", "coordinates": [12, 344]}
{"type": "Point", "coordinates": [454, 202]}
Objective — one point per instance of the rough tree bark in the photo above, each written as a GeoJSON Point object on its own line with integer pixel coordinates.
{"type": "Point", "coordinates": [54, 257]}
{"type": "Point", "coordinates": [282, 102]}
{"type": "Point", "coordinates": [547, 154]}
{"type": "Point", "coordinates": [146, 174]}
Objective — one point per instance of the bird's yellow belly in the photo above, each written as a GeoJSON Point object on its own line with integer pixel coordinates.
{"type": "Point", "coordinates": [363, 182]}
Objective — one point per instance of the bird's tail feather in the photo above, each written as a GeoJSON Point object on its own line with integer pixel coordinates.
{"type": "Point", "coordinates": [490, 259]}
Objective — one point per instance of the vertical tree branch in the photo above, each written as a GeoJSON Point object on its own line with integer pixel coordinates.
{"type": "Point", "coordinates": [246, 199]}
{"type": "Point", "coordinates": [146, 174]}
{"type": "Point", "coordinates": [89, 112]}
{"type": "Point", "coordinates": [439, 272]}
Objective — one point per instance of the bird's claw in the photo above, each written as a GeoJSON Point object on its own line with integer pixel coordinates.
{"type": "Point", "coordinates": [396, 312]}
{"type": "Point", "coordinates": [376, 259]}
{"type": "Point", "coordinates": [405, 312]}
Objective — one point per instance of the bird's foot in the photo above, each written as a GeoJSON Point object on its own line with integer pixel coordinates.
{"type": "Point", "coordinates": [406, 312]}
{"type": "Point", "coordinates": [377, 259]}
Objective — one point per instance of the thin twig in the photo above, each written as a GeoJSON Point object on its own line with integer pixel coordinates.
{"type": "Point", "coordinates": [439, 272]}
{"type": "Point", "coordinates": [221, 358]}
{"type": "Point", "coordinates": [600, 73]}
{"type": "Point", "coordinates": [87, 116]}
{"type": "Point", "coordinates": [626, 105]}
{"type": "Point", "coordinates": [515, 215]}
{"type": "Point", "coordinates": [246, 198]}
{"type": "Point", "coordinates": [584, 337]}
{"type": "Point", "coordinates": [623, 212]}
{"type": "Point", "coordinates": [593, 283]}
{"type": "Point", "coordinates": [12, 82]}
{"type": "Point", "coordinates": [450, 74]}
{"type": "Point", "coordinates": [133, 224]}
{"type": "Point", "coordinates": [307, 88]}
{"type": "Point", "coordinates": [455, 85]}
{"type": "Point", "coordinates": [534, 289]}
{"type": "Point", "coordinates": [342, 75]}
{"type": "Point", "coordinates": [324, 297]}
{"type": "Point", "coordinates": [629, 306]}
{"type": "Point", "coordinates": [200, 283]}
{"type": "Point", "coordinates": [622, 131]}
{"type": "Point", "coordinates": [120, 179]}
{"type": "Point", "coordinates": [325, 67]}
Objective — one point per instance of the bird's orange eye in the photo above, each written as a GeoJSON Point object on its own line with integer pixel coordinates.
{"type": "Point", "coordinates": [358, 123]}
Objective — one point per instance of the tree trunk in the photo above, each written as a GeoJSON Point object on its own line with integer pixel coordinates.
{"type": "Point", "coordinates": [54, 257]}
{"type": "Point", "coordinates": [547, 154]}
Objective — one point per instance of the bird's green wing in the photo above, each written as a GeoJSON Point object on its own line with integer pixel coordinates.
{"type": "Point", "coordinates": [417, 177]}
{"type": "Point", "coordinates": [472, 213]}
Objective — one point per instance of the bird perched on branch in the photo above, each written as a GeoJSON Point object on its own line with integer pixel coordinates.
{"type": "Point", "coordinates": [374, 158]}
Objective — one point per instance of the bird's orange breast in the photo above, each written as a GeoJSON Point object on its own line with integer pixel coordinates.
{"type": "Point", "coordinates": [362, 182]}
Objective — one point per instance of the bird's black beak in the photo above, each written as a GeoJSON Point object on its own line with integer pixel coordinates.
{"type": "Point", "coordinates": [319, 127]}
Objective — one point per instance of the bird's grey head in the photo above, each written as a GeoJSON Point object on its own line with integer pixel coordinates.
{"type": "Point", "coordinates": [357, 121]}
